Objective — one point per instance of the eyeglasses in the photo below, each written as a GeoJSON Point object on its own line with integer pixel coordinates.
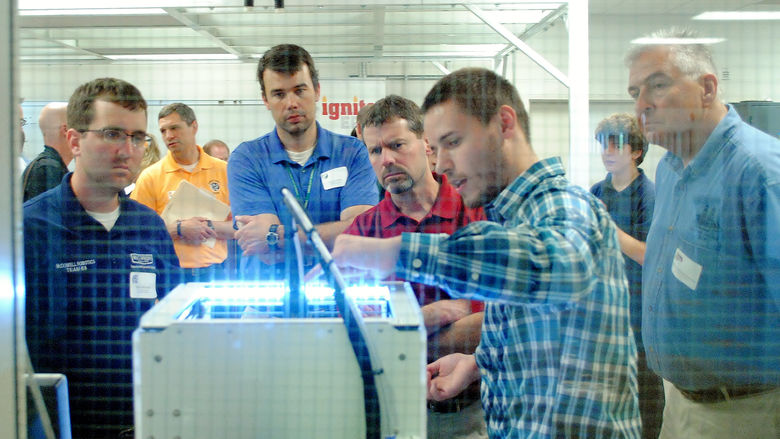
{"type": "Point", "coordinates": [118, 136]}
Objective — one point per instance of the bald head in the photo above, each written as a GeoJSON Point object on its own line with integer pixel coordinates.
{"type": "Point", "coordinates": [217, 148]}
{"type": "Point", "coordinates": [52, 118]}
{"type": "Point", "coordinates": [53, 124]}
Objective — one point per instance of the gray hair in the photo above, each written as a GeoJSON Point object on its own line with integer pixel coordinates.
{"type": "Point", "coordinates": [693, 60]}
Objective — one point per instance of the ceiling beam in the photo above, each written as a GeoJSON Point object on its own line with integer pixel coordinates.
{"type": "Point", "coordinates": [73, 45]}
{"type": "Point", "coordinates": [441, 67]}
{"type": "Point", "coordinates": [519, 44]}
{"type": "Point", "coordinates": [183, 19]}
{"type": "Point", "coordinates": [537, 27]}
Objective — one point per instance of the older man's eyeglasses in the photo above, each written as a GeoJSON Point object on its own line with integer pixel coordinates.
{"type": "Point", "coordinates": [118, 136]}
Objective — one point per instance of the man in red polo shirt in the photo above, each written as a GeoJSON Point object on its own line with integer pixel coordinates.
{"type": "Point", "coordinates": [419, 201]}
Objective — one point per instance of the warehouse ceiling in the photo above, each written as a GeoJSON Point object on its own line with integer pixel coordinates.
{"type": "Point", "coordinates": [332, 30]}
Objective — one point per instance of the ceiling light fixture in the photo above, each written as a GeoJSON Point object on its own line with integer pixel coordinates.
{"type": "Point", "coordinates": [173, 57]}
{"type": "Point", "coordinates": [647, 40]}
{"type": "Point", "coordinates": [738, 15]}
{"type": "Point", "coordinates": [119, 11]}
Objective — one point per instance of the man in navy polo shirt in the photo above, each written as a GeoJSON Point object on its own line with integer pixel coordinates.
{"type": "Point", "coordinates": [95, 260]}
{"type": "Point", "coordinates": [330, 174]}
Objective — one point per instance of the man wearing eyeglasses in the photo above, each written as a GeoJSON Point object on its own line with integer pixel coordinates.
{"type": "Point", "coordinates": [200, 242]}
{"type": "Point", "coordinates": [95, 260]}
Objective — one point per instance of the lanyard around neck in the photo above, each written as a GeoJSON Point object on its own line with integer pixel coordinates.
{"type": "Point", "coordinates": [303, 201]}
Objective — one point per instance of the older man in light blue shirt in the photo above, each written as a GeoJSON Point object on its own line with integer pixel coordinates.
{"type": "Point", "coordinates": [711, 278]}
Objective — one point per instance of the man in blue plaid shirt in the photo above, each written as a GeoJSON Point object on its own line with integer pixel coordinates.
{"type": "Point", "coordinates": [557, 357]}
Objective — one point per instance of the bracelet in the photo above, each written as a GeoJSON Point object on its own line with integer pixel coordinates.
{"type": "Point", "coordinates": [210, 224]}
{"type": "Point", "coordinates": [178, 228]}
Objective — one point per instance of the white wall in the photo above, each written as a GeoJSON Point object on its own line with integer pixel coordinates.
{"type": "Point", "coordinates": [225, 97]}
{"type": "Point", "coordinates": [748, 56]}
{"type": "Point", "coordinates": [748, 62]}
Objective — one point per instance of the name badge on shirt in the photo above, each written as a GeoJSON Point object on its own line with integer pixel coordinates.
{"type": "Point", "coordinates": [685, 269]}
{"type": "Point", "coordinates": [143, 285]}
{"type": "Point", "coordinates": [336, 177]}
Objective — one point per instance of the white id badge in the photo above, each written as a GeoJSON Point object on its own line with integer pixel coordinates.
{"type": "Point", "coordinates": [685, 269]}
{"type": "Point", "coordinates": [336, 177]}
{"type": "Point", "coordinates": [143, 285]}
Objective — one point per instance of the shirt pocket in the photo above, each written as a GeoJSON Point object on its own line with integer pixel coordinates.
{"type": "Point", "coordinates": [706, 229]}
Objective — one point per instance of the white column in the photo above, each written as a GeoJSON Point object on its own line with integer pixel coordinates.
{"type": "Point", "coordinates": [579, 137]}
{"type": "Point", "coordinates": [10, 234]}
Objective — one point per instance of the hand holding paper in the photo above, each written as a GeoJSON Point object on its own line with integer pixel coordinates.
{"type": "Point", "coordinates": [194, 206]}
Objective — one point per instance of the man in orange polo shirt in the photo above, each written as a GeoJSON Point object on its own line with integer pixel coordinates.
{"type": "Point", "coordinates": [193, 238]}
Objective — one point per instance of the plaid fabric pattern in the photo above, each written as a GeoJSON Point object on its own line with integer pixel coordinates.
{"type": "Point", "coordinates": [557, 355]}
{"type": "Point", "coordinates": [447, 215]}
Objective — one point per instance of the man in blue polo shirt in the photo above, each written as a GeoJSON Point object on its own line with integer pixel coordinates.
{"type": "Point", "coordinates": [95, 260]}
{"type": "Point", "coordinates": [330, 174]}
{"type": "Point", "coordinates": [711, 275]}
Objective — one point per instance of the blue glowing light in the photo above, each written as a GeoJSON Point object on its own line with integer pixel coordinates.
{"type": "Point", "coordinates": [266, 300]}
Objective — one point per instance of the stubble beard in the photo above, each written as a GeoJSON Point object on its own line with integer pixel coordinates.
{"type": "Point", "coordinates": [400, 187]}
{"type": "Point", "coordinates": [297, 130]}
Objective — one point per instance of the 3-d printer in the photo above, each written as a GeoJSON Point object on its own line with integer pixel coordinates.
{"type": "Point", "coordinates": [229, 360]}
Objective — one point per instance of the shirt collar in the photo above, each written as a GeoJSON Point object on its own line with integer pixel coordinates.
{"type": "Point", "coordinates": [504, 206]}
{"type": "Point", "coordinates": [716, 141]}
{"type": "Point", "coordinates": [445, 205]}
{"type": "Point", "coordinates": [74, 215]}
{"type": "Point", "coordinates": [322, 149]}
{"type": "Point", "coordinates": [205, 161]}
{"type": "Point", "coordinates": [447, 201]}
{"type": "Point", "coordinates": [50, 151]}
{"type": "Point", "coordinates": [635, 183]}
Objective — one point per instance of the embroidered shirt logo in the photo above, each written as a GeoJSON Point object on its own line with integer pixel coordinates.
{"type": "Point", "coordinates": [142, 258]}
{"type": "Point", "coordinates": [75, 266]}
{"type": "Point", "coordinates": [214, 185]}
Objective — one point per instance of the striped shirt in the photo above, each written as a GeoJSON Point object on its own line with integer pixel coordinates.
{"type": "Point", "coordinates": [557, 356]}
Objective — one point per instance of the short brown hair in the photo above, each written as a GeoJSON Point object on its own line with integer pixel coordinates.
{"type": "Point", "coordinates": [480, 93]}
{"type": "Point", "coordinates": [81, 106]}
{"type": "Point", "coordinates": [394, 106]}
{"type": "Point", "coordinates": [286, 58]}
{"type": "Point", "coordinates": [623, 128]}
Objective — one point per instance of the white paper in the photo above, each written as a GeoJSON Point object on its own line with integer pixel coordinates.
{"type": "Point", "coordinates": [685, 269]}
{"type": "Point", "coordinates": [190, 201]}
{"type": "Point", "coordinates": [143, 285]}
{"type": "Point", "coordinates": [336, 177]}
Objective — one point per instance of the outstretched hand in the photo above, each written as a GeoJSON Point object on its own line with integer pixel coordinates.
{"type": "Point", "coordinates": [450, 375]}
{"type": "Point", "coordinates": [374, 257]}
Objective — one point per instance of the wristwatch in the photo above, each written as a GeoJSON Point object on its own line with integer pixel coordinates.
{"type": "Point", "coordinates": [272, 237]}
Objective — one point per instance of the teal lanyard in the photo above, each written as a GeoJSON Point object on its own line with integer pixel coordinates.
{"type": "Point", "coordinates": [304, 201]}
